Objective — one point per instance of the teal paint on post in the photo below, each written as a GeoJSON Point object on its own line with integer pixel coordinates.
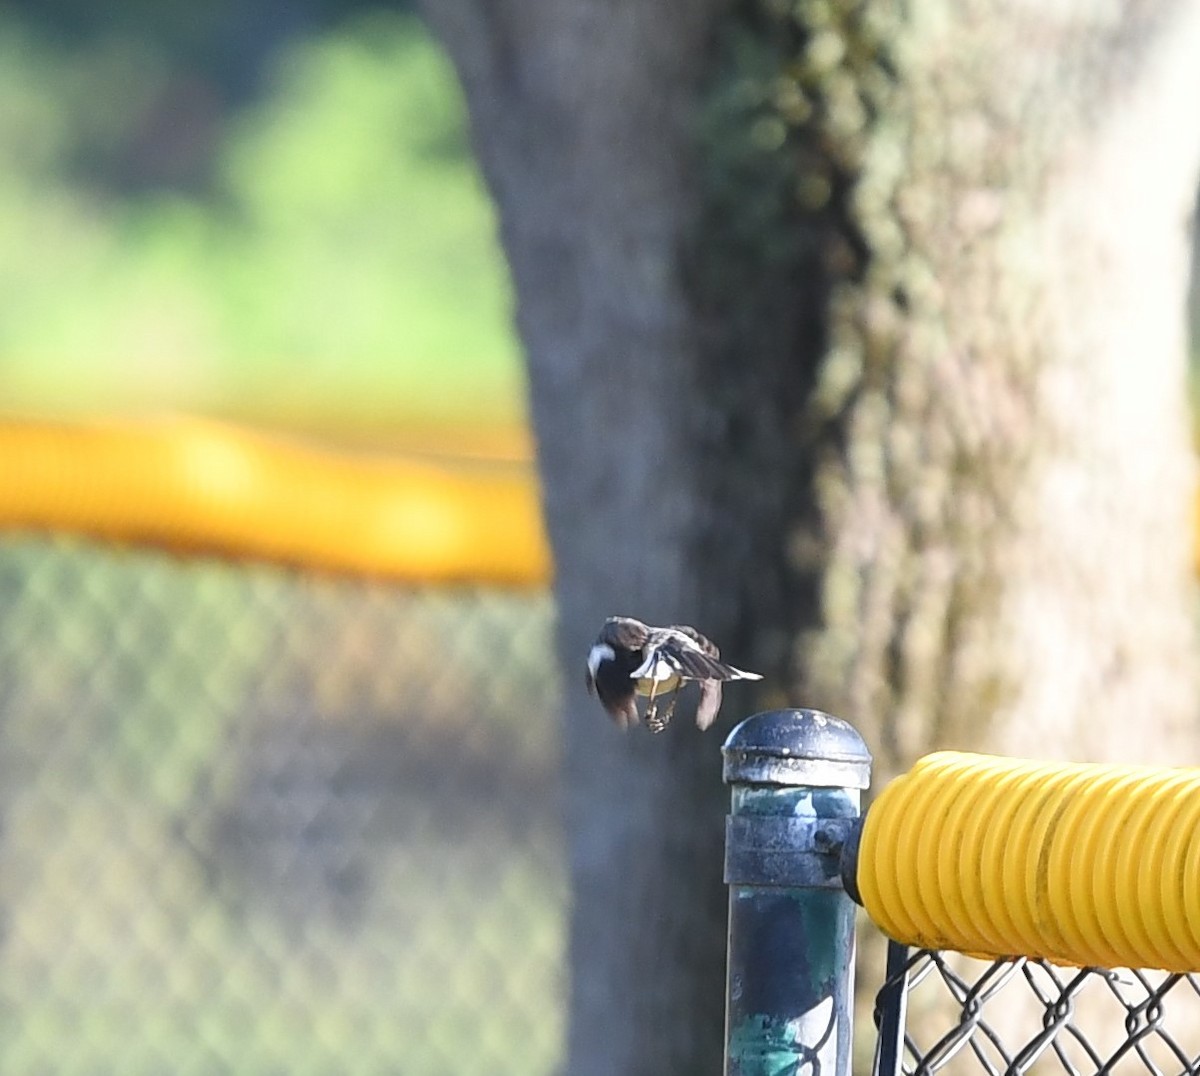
{"type": "Point", "coordinates": [796, 778]}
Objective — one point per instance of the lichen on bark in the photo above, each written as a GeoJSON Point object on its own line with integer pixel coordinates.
{"type": "Point", "coordinates": [988, 542]}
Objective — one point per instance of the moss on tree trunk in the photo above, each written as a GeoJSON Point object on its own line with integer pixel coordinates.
{"type": "Point", "coordinates": [1005, 482]}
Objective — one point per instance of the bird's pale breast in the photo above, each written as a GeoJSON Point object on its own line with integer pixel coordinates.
{"type": "Point", "coordinates": [648, 686]}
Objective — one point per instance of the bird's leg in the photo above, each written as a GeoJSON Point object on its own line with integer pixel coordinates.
{"type": "Point", "coordinates": [653, 722]}
{"type": "Point", "coordinates": [665, 720]}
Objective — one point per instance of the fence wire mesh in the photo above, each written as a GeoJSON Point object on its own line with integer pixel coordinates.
{"type": "Point", "coordinates": [256, 822]}
{"type": "Point", "coordinates": [942, 1011]}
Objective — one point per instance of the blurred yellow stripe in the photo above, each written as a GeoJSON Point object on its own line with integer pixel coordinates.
{"type": "Point", "coordinates": [196, 485]}
{"type": "Point", "coordinates": [192, 484]}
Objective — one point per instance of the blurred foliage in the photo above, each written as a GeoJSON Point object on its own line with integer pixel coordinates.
{"type": "Point", "coordinates": [324, 253]}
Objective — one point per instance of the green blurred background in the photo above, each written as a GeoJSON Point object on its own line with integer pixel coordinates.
{"type": "Point", "coordinates": [256, 820]}
{"type": "Point", "coordinates": [267, 212]}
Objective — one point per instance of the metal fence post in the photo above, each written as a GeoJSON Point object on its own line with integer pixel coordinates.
{"type": "Point", "coordinates": [795, 778]}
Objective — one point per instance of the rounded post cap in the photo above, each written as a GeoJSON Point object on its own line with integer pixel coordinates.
{"type": "Point", "coordinates": [796, 747]}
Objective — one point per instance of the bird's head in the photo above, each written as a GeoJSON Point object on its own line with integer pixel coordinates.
{"type": "Point", "coordinates": [599, 652]}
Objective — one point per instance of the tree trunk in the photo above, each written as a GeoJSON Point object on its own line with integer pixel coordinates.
{"type": "Point", "coordinates": [581, 114]}
{"type": "Point", "coordinates": [1006, 499]}
{"type": "Point", "coordinates": [854, 338]}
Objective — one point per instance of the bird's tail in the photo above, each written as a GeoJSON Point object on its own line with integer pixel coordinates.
{"type": "Point", "coordinates": [732, 673]}
{"type": "Point", "coordinates": [696, 665]}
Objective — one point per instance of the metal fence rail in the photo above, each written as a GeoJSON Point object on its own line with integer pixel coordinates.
{"type": "Point", "coordinates": [260, 822]}
{"type": "Point", "coordinates": [1137, 1021]}
{"type": "Point", "coordinates": [977, 853]}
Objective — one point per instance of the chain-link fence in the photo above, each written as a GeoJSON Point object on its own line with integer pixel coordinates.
{"type": "Point", "coordinates": [1026, 1016]}
{"type": "Point", "coordinates": [258, 822]}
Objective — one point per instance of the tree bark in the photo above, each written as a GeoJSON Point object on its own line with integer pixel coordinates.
{"type": "Point", "coordinates": [1005, 498]}
{"type": "Point", "coordinates": [854, 337]}
{"type": "Point", "coordinates": [581, 114]}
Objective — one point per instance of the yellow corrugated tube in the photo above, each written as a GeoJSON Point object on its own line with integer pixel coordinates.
{"type": "Point", "coordinates": [190, 484]}
{"type": "Point", "coordinates": [1080, 864]}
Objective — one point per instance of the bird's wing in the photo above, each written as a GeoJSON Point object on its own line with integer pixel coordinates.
{"type": "Point", "coordinates": [718, 670]}
{"type": "Point", "coordinates": [692, 654]}
{"type": "Point", "coordinates": [624, 633]}
{"type": "Point", "coordinates": [624, 711]}
{"type": "Point", "coordinates": [710, 703]}
{"type": "Point", "coordinates": [707, 646]}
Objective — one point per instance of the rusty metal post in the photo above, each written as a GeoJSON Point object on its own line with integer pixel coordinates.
{"type": "Point", "coordinates": [795, 781]}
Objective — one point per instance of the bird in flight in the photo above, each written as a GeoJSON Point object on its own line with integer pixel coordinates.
{"type": "Point", "coordinates": [630, 658]}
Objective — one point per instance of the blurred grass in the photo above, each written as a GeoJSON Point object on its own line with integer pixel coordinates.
{"type": "Point", "coordinates": [340, 268]}
{"type": "Point", "coordinates": [260, 823]}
